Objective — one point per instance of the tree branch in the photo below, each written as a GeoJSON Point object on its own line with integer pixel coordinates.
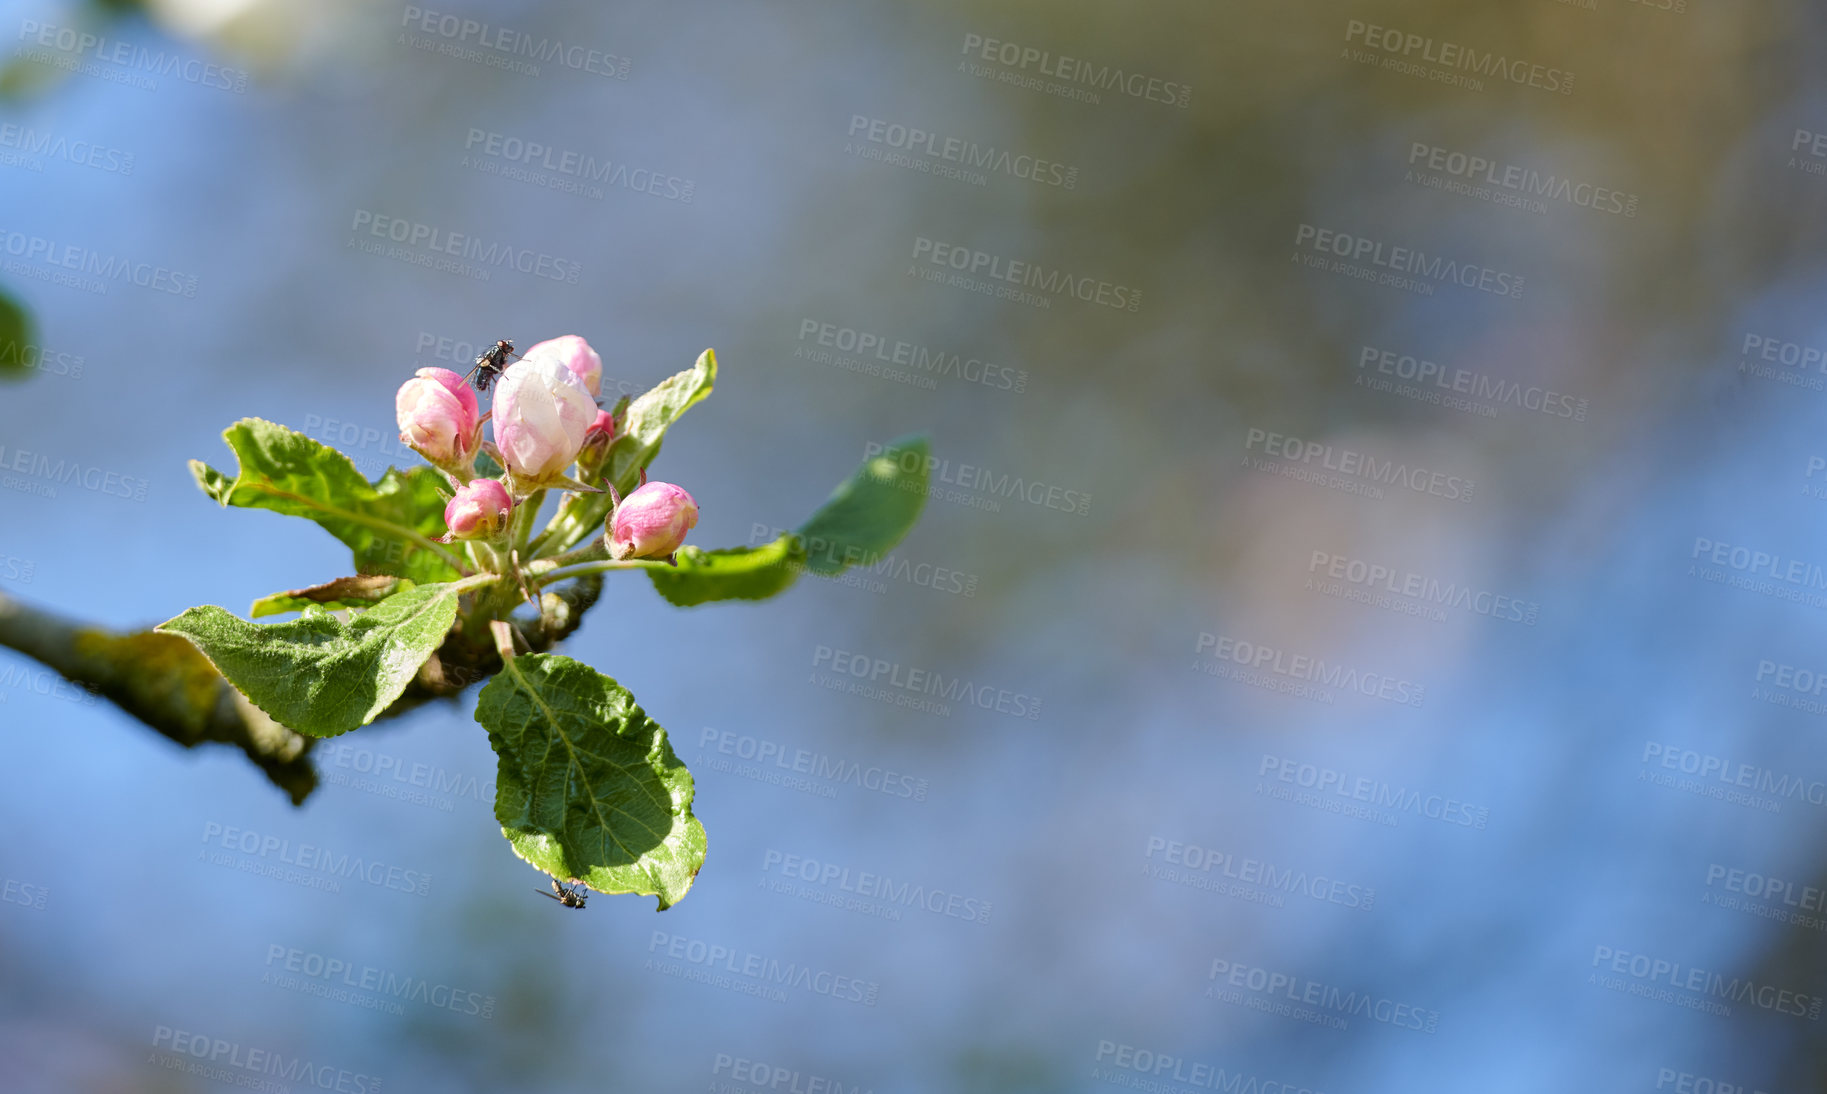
{"type": "Point", "coordinates": [162, 680]}
{"type": "Point", "coordinates": [165, 682]}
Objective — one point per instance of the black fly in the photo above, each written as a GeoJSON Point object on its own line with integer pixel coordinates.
{"type": "Point", "coordinates": [569, 897]}
{"type": "Point", "coordinates": [489, 365]}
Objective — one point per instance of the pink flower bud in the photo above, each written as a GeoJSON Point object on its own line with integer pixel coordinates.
{"type": "Point", "coordinates": [651, 522]}
{"type": "Point", "coordinates": [542, 411]}
{"type": "Point", "coordinates": [596, 446]}
{"type": "Point", "coordinates": [438, 417]}
{"type": "Point", "coordinates": [479, 510]}
{"type": "Point", "coordinates": [575, 354]}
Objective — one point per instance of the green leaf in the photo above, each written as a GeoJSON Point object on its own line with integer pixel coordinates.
{"type": "Point", "coordinates": [865, 518]}
{"type": "Point", "coordinates": [317, 674]}
{"type": "Point", "coordinates": [639, 430]}
{"type": "Point", "coordinates": [870, 513]}
{"type": "Point", "coordinates": [15, 339]}
{"type": "Point", "coordinates": [733, 573]}
{"type": "Point", "coordinates": [389, 523]}
{"type": "Point", "coordinates": [361, 591]}
{"type": "Point", "coordinates": [588, 788]}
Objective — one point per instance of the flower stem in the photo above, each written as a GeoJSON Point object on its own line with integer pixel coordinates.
{"type": "Point", "coordinates": [524, 516]}
{"type": "Point", "coordinates": [503, 633]}
{"type": "Point", "coordinates": [475, 582]}
{"type": "Point", "coordinates": [589, 552]}
{"type": "Point", "coordinates": [584, 569]}
{"type": "Point", "coordinates": [487, 556]}
{"type": "Point", "coordinates": [545, 534]}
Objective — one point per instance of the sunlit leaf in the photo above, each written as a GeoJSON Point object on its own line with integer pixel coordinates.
{"type": "Point", "coordinates": [388, 523]}
{"type": "Point", "coordinates": [588, 788]}
{"type": "Point", "coordinates": [317, 674]}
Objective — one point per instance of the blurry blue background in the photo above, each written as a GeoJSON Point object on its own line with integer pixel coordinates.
{"type": "Point", "coordinates": [1109, 944]}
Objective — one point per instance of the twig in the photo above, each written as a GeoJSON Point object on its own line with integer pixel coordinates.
{"type": "Point", "coordinates": [162, 680]}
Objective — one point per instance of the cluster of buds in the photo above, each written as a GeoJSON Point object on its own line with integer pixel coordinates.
{"type": "Point", "coordinates": [545, 420]}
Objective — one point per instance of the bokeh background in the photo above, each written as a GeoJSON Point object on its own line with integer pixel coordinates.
{"type": "Point", "coordinates": [1584, 915]}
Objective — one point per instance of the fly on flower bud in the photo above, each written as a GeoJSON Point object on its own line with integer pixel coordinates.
{"type": "Point", "coordinates": [651, 522]}
{"type": "Point", "coordinates": [542, 411]}
{"type": "Point", "coordinates": [480, 509]}
{"type": "Point", "coordinates": [438, 418]}
{"type": "Point", "coordinates": [575, 354]}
